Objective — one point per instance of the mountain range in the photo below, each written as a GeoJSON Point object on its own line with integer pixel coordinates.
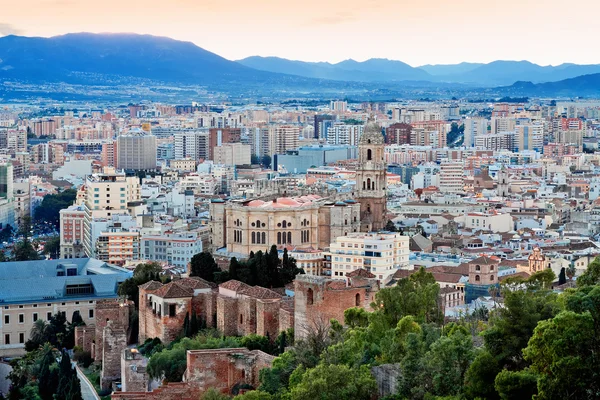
{"type": "Point", "coordinates": [112, 59]}
{"type": "Point", "coordinates": [496, 73]}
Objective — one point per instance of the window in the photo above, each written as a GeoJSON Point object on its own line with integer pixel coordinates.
{"type": "Point", "coordinates": [477, 268]}
{"type": "Point", "coordinates": [309, 297]}
{"type": "Point", "coordinates": [7, 338]}
{"type": "Point", "coordinates": [491, 268]}
{"type": "Point", "coordinates": [48, 316]}
{"type": "Point", "coordinates": [369, 154]}
{"type": "Point", "coordinates": [477, 278]}
{"type": "Point", "coordinates": [6, 319]}
{"type": "Point", "coordinates": [34, 317]}
{"type": "Point", "coordinates": [241, 318]}
{"type": "Point", "coordinates": [357, 303]}
{"type": "Point", "coordinates": [21, 318]}
{"type": "Point", "coordinates": [172, 309]}
{"type": "Point", "coordinates": [90, 313]}
{"type": "Point", "coordinates": [21, 337]}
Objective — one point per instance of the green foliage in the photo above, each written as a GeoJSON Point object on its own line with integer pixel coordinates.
{"type": "Point", "coordinates": [482, 371]}
{"type": "Point", "coordinates": [24, 251]}
{"type": "Point", "coordinates": [52, 247]}
{"type": "Point", "coordinates": [265, 269]}
{"type": "Point", "coordinates": [333, 382]}
{"type": "Point", "coordinates": [143, 273]}
{"type": "Point", "coordinates": [516, 384]}
{"type": "Point", "coordinates": [49, 209]}
{"type": "Point", "coordinates": [562, 276]}
{"type": "Point", "coordinates": [204, 266]}
{"type": "Point", "coordinates": [356, 317]}
{"type": "Point", "coordinates": [170, 363]}
{"type": "Point", "coordinates": [214, 394]}
{"type": "Point", "coordinates": [456, 131]}
{"type": "Point", "coordinates": [591, 276]}
{"type": "Point", "coordinates": [38, 375]}
{"type": "Point", "coordinates": [151, 346]}
{"type": "Point", "coordinates": [255, 395]}
{"type": "Point", "coordinates": [416, 295]}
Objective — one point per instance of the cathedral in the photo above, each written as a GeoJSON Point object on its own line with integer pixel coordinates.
{"type": "Point", "coordinates": [370, 189]}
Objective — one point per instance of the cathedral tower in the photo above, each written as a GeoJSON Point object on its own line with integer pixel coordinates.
{"type": "Point", "coordinates": [370, 190]}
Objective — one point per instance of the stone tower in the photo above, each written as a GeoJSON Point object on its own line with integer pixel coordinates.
{"type": "Point", "coordinates": [370, 190]}
{"type": "Point", "coordinates": [502, 185]}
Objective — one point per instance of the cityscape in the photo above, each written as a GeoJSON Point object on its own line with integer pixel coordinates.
{"type": "Point", "coordinates": [179, 223]}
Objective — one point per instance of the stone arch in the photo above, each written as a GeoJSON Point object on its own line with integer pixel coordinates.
{"type": "Point", "coordinates": [369, 154]}
{"type": "Point", "coordinates": [357, 300]}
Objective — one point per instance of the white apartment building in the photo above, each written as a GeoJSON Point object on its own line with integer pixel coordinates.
{"type": "Point", "coordinates": [341, 133]}
{"type": "Point", "coordinates": [493, 221]}
{"type": "Point", "coordinates": [174, 248]}
{"type": "Point", "coordinates": [452, 176]}
{"type": "Point", "coordinates": [232, 154]}
{"type": "Point", "coordinates": [382, 254]}
{"type": "Point", "coordinates": [192, 144]}
{"type": "Point", "coordinates": [474, 127]}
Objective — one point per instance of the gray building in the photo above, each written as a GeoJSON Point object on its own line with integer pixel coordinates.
{"type": "Point", "coordinates": [298, 161]}
{"type": "Point", "coordinates": [32, 290]}
{"type": "Point", "coordinates": [136, 151]}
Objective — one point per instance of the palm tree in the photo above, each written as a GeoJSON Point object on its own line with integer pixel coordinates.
{"type": "Point", "coordinates": [39, 330]}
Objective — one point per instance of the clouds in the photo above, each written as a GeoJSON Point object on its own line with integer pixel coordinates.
{"type": "Point", "coordinates": [9, 29]}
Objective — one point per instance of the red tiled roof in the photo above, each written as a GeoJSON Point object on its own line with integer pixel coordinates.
{"type": "Point", "coordinates": [258, 292]}
{"type": "Point", "coordinates": [151, 285]}
{"type": "Point", "coordinates": [336, 285]}
{"type": "Point", "coordinates": [233, 285]}
{"type": "Point", "coordinates": [360, 273]}
{"type": "Point", "coordinates": [174, 290]}
{"type": "Point", "coordinates": [195, 282]}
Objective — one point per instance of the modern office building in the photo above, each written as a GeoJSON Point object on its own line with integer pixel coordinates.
{"type": "Point", "coordinates": [298, 161]}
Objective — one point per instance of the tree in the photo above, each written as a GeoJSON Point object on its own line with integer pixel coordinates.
{"type": "Point", "coordinates": [591, 276]}
{"type": "Point", "coordinates": [24, 251]}
{"type": "Point", "coordinates": [481, 372]}
{"type": "Point", "coordinates": [390, 226]}
{"type": "Point", "coordinates": [562, 277]}
{"type": "Point", "coordinates": [516, 384]}
{"type": "Point", "coordinates": [571, 271]}
{"type": "Point", "coordinates": [333, 382]}
{"type": "Point", "coordinates": [204, 266]}
{"type": "Point", "coordinates": [52, 247]}
{"type": "Point", "coordinates": [49, 209]}
{"type": "Point", "coordinates": [214, 394]}
{"type": "Point", "coordinates": [266, 161]}
{"type": "Point", "coordinates": [255, 395]}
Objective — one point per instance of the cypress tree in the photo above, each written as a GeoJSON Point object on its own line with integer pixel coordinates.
{"type": "Point", "coordinates": [562, 276]}
{"type": "Point", "coordinates": [186, 326]}
{"type": "Point", "coordinates": [194, 324]}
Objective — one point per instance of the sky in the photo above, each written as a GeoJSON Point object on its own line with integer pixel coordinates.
{"type": "Point", "coordinates": [417, 31]}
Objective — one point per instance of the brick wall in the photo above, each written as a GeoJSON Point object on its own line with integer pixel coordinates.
{"type": "Point", "coordinates": [227, 315]}
{"type": "Point", "coordinates": [114, 340]}
{"type": "Point", "coordinates": [267, 318]}
{"type": "Point", "coordinates": [85, 336]}
{"type": "Point", "coordinates": [115, 311]}
{"type": "Point", "coordinates": [327, 302]}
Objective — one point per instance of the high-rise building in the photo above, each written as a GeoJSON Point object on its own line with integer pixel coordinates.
{"type": "Point", "coordinates": [452, 177]}
{"type": "Point", "coordinates": [136, 151]}
{"type": "Point", "coordinates": [474, 127]}
{"type": "Point", "coordinates": [106, 195]}
{"type": "Point", "coordinates": [72, 221]}
{"type": "Point", "coordinates": [7, 204]}
{"type": "Point", "coordinates": [398, 133]}
{"type": "Point", "coordinates": [193, 144]}
{"type": "Point", "coordinates": [219, 136]}
{"type": "Point", "coordinates": [232, 154]}
{"type": "Point", "coordinates": [338, 106]}
{"type": "Point", "coordinates": [320, 125]}
{"type": "Point", "coordinates": [370, 189]}
{"type": "Point", "coordinates": [341, 133]}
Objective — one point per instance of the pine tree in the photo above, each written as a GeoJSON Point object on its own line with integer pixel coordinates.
{"type": "Point", "coordinates": [562, 276]}
{"type": "Point", "coordinates": [194, 324]}
{"type": "Point", "coordinates": [186, 326]}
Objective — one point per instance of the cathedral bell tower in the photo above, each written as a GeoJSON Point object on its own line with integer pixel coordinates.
{"type": "Point", "coordinates": [370, 189]}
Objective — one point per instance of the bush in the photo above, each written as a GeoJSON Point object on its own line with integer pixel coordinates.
{"type": "Point", "coordinates": [83, 357]}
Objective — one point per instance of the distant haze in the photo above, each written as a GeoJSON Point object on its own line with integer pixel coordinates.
{"type": "Point", "coordinates": [415, 32]}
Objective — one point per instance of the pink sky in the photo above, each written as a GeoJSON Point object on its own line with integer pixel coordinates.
{"type": "Point", "coordinates": [417, 32]}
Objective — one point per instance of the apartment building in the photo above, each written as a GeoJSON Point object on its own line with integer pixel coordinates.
{"type": "Point", "coordinates": [72, 220]}
{"type": "Point", "coordinates": [174, 248]}
{"type": "Point", "coordinates": [382, 254]}
{"type": "Point", "coordinates": [451, 177]}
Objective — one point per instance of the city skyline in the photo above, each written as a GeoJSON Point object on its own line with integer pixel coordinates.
{"type": "Point", "coordinates": [432, 32]}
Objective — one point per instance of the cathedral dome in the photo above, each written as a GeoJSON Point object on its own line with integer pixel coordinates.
{"type": "Point", "coordinates": [372, 134]}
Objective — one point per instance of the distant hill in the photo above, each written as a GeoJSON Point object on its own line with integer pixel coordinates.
{"type": "Point", "coordinates": [85, 57]}
{"type": "Point", "coordinates": [585, 85]}
{"type": "Point", "coordinates": [449, 69]}
{"type": "Point", "coordinates": [508, 72]}
{"type": "Point", "coordinates": [372, 70]}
